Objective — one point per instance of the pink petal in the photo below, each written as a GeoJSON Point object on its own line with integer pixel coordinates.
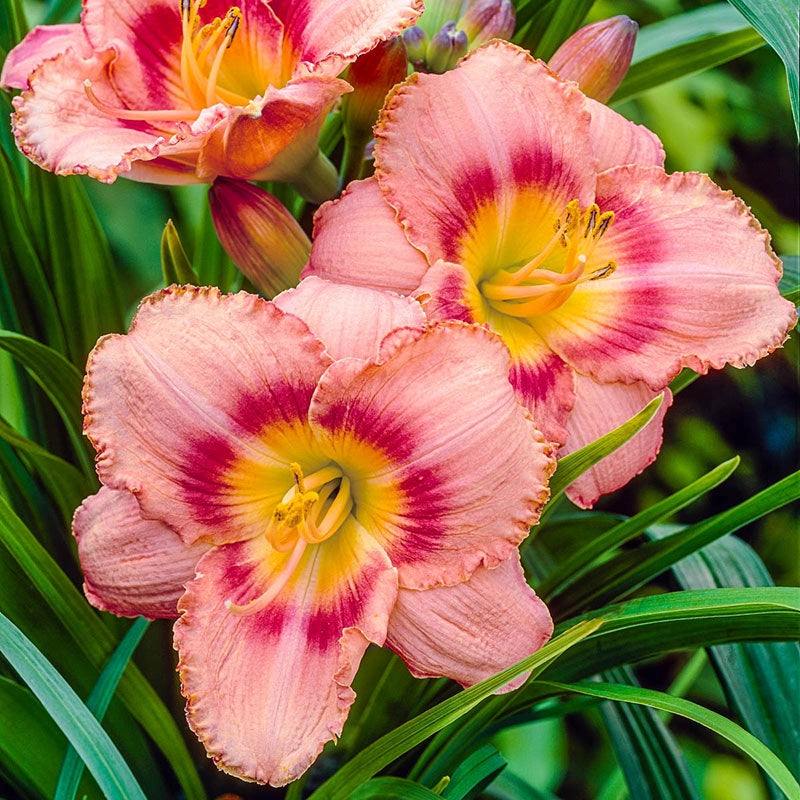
{"type": "Point", "coordinates": [352, 321]}
{"type": "Point", "coordinates": [266, 691]}
{"type": "Point", "coordinates": [473, 630]}
{"type": "Point", "coordinates": [200, 409]}
{"type": "Point", "coordinates": [479, 161]}
{"type": "Point", "coordinates": [599, 408]}
{"type": "Point", "coordinates": [448, 472]}
{"type": "Point", "coordinates": [357, 240]}
{"type": "Point", "coordinates": [273, 138]}
{"type": "Point", "coordinates": [318, 29]}
{"type": "Point", "coordinates": [618, 141]}
{"type": "Point", "coordinates": [542, 381]}
{"type": "Point", "coordinates": [41, 44]}
{"type": "Point", "coordinates": [131, 566]}
{"type": "Point", "coordinates": [695, 284]}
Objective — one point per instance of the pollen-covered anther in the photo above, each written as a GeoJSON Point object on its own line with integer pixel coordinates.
{"type": "Point", "coordinates": [313, 510]}
{"type": "Point", "coordinates": [532, 289]}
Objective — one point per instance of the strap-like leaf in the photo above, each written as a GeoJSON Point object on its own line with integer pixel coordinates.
{"type": "Point", "coordinates": [98, 752]}
{"type": "Point", "coordinates": [175, 264]}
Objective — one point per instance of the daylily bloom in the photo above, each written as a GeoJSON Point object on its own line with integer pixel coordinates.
{"type": "Point", "coordinates": [259, 234]}
{"type": "Point", "coordinates": [367, 482]}
{"type": "Point", "coordinates": [597, 56]}
{"type": "Point", "coordinates": [504, 196]}
{"type": "Point", "coordinates": [183, 91]}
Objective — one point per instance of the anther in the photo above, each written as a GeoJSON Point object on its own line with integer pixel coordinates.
{"type": "Point", "coordinates": [603, 224]}
{"type": "Point", "coordinates": [603, 272]}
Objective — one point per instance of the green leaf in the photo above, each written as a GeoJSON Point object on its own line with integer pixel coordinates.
{"type": "Point", "coordinates": [100, 755]}
{"type": "Point", "coordinates": [646, 627]}
{"type": "Point", "coordinates": [684, 44]}
{"type": "Point", "coordinates": [97, 703]}
{"type": "Point", "coordinates": [574, 566]}
{"type": "Point", "coordinates": [61, 382]}
{"type": "Point", "coordinates": [13, 25]}
{"type": "Point", "coordinates": [542, 30]}
{"type": "Point", "coordinates": [630, 569]}
{"type": "Point", "coordinates": [63, 11]}
{"type": "Point", "coordinates": [776, 21]}
{"type": "Point", "coordinates": [175, 264]}
{"type": "Point", "coordinates": [391, 746]}
{"type": "Point", "coordinates": [761, 681]}
{"type": "Point", "coordinates": [393, 789]}
{"type": "Point", "coordinates": [95, 641]}
{"type": "Point", "coordinates": [737, 736]}
{"type": "Point", "coordinates": [790, 282]}
{"type": "Point", "coordinates": [650, 758]}
{"type": "Point", "coordinates": [474, 774]}
{"type": "Point", "coordinates": [67, 486]}
{"type": "Point", "coordinates": [575, 464]}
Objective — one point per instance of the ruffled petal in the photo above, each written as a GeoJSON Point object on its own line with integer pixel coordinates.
{"type": "Point", "coordinates": [618, 141]}
{"type": "Point", "coordinates": [480, 161]}
{"type": "Point", "coordinates": [131, 566]}
{"type": "Point", "coordinates": [448, 472]}
{"type": "Point", "coordinates": [42, 43]}
{"type": "Point", "coordinates": [352, 321]}
{"type": "Point", "coordinates": [470, 631]}
{"type": "Point", "coordinates": [200, 409]}
{"type": "Point", "coordinates": [599, 408]}
{"type": "Point", "coordinates": [542, 381]}
{"type": "Point", "coordinates": [273, 138]}
{"type": "Point", "coordinates": [266, 691]}
{"type": "Point", "coordinates": [695, 284]}
{"type": "Point", "coordinates": [337, 32]}
{"type": "Point", "coordinates": [357, 240]}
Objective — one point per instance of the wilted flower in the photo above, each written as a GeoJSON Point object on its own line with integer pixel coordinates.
{"type": "Point", "coordinates": [184, 91]}
{"type": "Point", "coordinates": [550, 218]}
{"type": "Point", "coordinates": [597, 56]}
{"type": "Point", "coordinates": [257, 231]}
{"type": "Point", "coordinates": [367, 482]}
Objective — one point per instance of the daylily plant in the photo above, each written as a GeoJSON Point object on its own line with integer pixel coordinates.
{"type": "Point", "coordinates": [322, 472]}
{"type": "Point", "coordinates": [183, 91]}
{"type": "Point", "coordinates": [503, 196]}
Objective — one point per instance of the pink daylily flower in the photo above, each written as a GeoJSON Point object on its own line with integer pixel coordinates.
{"type": "Point", "coordinates": [320, 472]}
{"type": "Point", "coordinates": [503, 196]}
{"type": "Point", "coordinates": [183, 91]}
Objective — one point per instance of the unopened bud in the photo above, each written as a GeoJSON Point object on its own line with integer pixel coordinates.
{"type": "Point", "coordinates": [597, 56]}
{"type": "Point", "coordinates": [372, 75]}
{"type": "Point", "coordinates": [416, 41]}
{"type": "Point", "coordinates": [483, 20]}
{"type": "Point", "coordinates": [446, 48]}
{"type": "Point", "coordinates": [259, 234]}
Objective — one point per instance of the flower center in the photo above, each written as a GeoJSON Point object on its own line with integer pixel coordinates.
{"type": "Point", "coordinates": [313, 510]}
{"type": "Point", "coordinates": [531, 290]}
{"type": "Point", "coordinates": [203, 49]}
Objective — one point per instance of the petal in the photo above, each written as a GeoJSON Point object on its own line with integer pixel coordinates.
{"type": "Point", "coordinates": [695, 284]}
{"type": "Point", "coordinates": [352, 321]}
{"type": "Point", "coordinates": [131, 566]}
{"type": "Point", "coordinates": [470, 631]}
{"type": "Point", "coordinates": [357, 240]}
{"type": "Point", "coordinates": [618, 141]}
{"type": "Point", "coordinates": [318, 29]}
{"type": "Point", "coordinates": [480, 161]}
{"type": "Point", "coordinates": [42, 43]}
{"type": "Point", "coordinates": [599, 408]}
{"type": "Point", "coordinates": [447, 470]}
{"type": "Point", "coordinates": [542, 381]}
{"type": "Point", "coordinates": [266, 691]}
{"type": "Point", "coordinates": [273, 138]}
{"type": "Point", "coordinates": [201, 407]}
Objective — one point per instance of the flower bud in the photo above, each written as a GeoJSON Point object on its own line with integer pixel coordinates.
{"type": "Point", "coordinates": [483, 20]}
{"type": "Point", "coordinates": [416, 41]}
{"type": "Point", "coordinates": [259, 234]}
{"type": "Point", "coordinates": [597, 56]}
{"type": "Point", "coordinates": [372, 75]}
{"type": "Point", "coordinates": [446, 48]}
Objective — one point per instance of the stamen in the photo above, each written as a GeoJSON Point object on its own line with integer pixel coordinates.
{"type": "Point", "coordinates": [604, 223]}
{"type": "Point", "coordinates": [160, 115]}
{"type": "Point", "coordinates": [261, 602]}
{"type": "Point", "coordinates": [234, 15]}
